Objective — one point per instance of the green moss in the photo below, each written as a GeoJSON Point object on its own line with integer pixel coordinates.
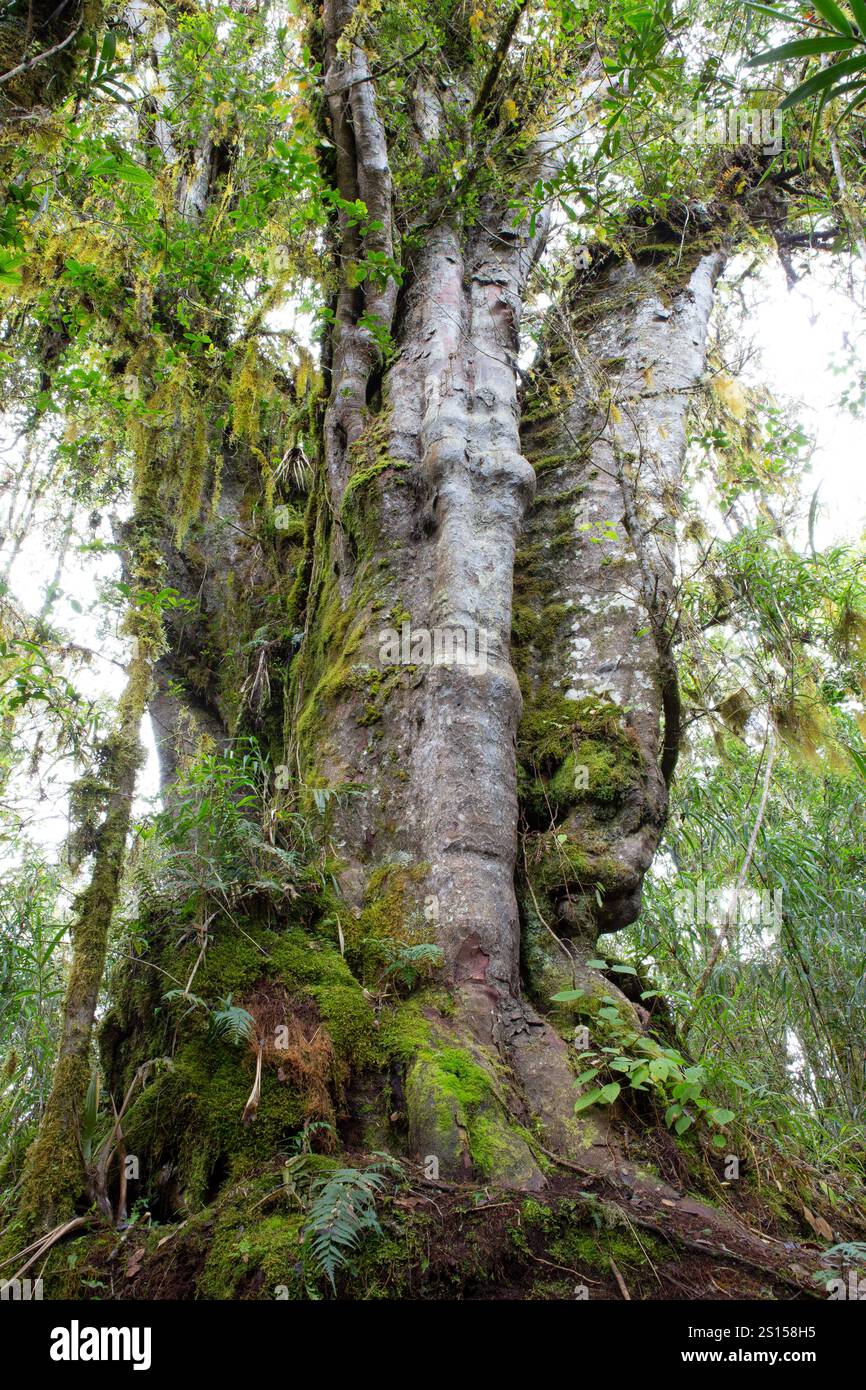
{"type": "Point", "coordinates": [324, 672]}
{"type": "Point", "coordinates": [456, 1113]}
{"type": "Point", "coordinates": [544, 463]}
{"type": "Point", "coordinates": [405, 1032]}
{"type": "Point", "coordinates": [251, 1254]}
{"type": "Point", "coordinates": [586, 1235]}
{"type": "Point", "coordinates": [351, 1022]}
{"type": "Point", "coordinates": [392, 912]}
{"type": "Point", "coordinates": [572, 752]}
{"type": "Point", "coordinates": [598, 770]}
{"type": "Point", "coordinates": [349, 514]}
{"type": "Point", "coordinates": [459, 1076]}
{"type": "Point", "coordinates": [368, 458]}
{"type": "Point", "coordinates": [191, 1116]}
{"type": "Point", "coordinates": [499, 1147]}
{"type": "Point", "coordinates": [378, 684]}
{"type": "Point", "coordinates": [54, 1174]}
{"type": "Point", "coordinates": [393, 1265]}
{"type": "Point", "coordinates": [539, 626]}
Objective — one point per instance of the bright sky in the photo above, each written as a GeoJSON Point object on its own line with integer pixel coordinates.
{"type": "Point", "coordinates": [799, 333]}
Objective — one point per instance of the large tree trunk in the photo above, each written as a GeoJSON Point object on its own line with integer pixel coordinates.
{"type": "Point", "coordinates": [605, 425]}
{"type": "Point", "coordinates": [493, 772]}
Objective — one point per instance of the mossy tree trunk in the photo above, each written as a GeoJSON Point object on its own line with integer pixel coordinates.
{"type": "Point", "coordinates": [55, 1173]}
{"type": "Point", "coordinates": [482, 699]}
{"type": "Point", "coordinates": [596, 614]}
{"type": "Point", "coordinates": [40, 47]}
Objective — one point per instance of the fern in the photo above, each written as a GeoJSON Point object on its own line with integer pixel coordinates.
{"type": "Point", "coordinates": [231, 1022]}
{"type": "Point", "coordinates": [342, 1209]}
{"type": "Point", "coordinates": [413, 962]}
{"type": "Point", "coordinates": [408, 963]}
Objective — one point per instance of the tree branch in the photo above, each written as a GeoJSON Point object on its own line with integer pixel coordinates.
{"type": "Point", "coordinates": [40, 57]}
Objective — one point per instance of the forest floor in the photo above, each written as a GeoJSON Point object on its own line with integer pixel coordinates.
{"type": "Point", "coordinates": [618, 1234]}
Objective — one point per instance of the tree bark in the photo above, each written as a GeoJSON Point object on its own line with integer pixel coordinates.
{"type": "Point", "coordinates": [39, 50]}
{"type": "Point", "coordinates": [605, 425]}
{"type": "Point", "coordinates": [54, 1176]}
{"type": "Point", "coordinates": [480, 686]}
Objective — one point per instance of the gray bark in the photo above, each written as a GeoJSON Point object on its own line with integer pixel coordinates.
{"type": "Point", "coordinates": [439, 519]}
{"type": "Point", "coordinates": [621, 443]}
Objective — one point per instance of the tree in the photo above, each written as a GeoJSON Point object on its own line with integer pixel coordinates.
{"type": "Point", "coordinates": [39, 43]}
{"type": "Point", "coordinates": [404, 597]}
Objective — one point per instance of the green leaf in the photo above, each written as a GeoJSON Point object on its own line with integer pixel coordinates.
{"type": "Point", "coordinates": [852, 105]}
{"type": "Point", "coordinates": [609, 1093]}
{"type": "Point", "coordinates": [782, 14]}
{"type": "Point", "coordinates": [859, 762]}
{"type": "Point", "coordinates": [597, 964]}
{"type": "Point", "coordinates": [567, 996]}
{"type": "Point", "coordinates": [583, 1102]}
{"type": "Point", "coordinates": [109, 166]}
{"type": "Point", "coordinates": [683, 1123]}
{"type": "Point", "coordinates": [803, 48]}
{"type": "Point", "coordinates": [721, 1116]}
{"type": "Point", "coordinates": [823, 80]}
{"type": "Point", "coordinates": [9, 272]}
{"type": "Point", "coordinates": [831, 12]}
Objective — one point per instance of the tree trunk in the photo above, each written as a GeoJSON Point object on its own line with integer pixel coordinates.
{"type": "Point", "coordinates": [39, 50]}
{"type": "Point", "coordinates": [54, 1176]}
{"type": "Point", "coordinates": [466, 670]}
{"type": "Point", "coordinates": [596, 618]}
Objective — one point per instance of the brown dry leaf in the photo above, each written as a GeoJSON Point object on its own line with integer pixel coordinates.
{"type": "Point", "coordinates": [171, 1235]}
{"type": "Point", "coordinates": [823, 1228]}
{"type": "Point", "coordinates": [819, 1225]}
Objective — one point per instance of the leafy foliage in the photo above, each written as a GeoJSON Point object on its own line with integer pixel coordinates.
{"type": "Point", "coordinates": [210, 848]}
{"type": "Point", "coordinates": [837, 36]}
{"type": "Point", "coordinates": [342, 1210]}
